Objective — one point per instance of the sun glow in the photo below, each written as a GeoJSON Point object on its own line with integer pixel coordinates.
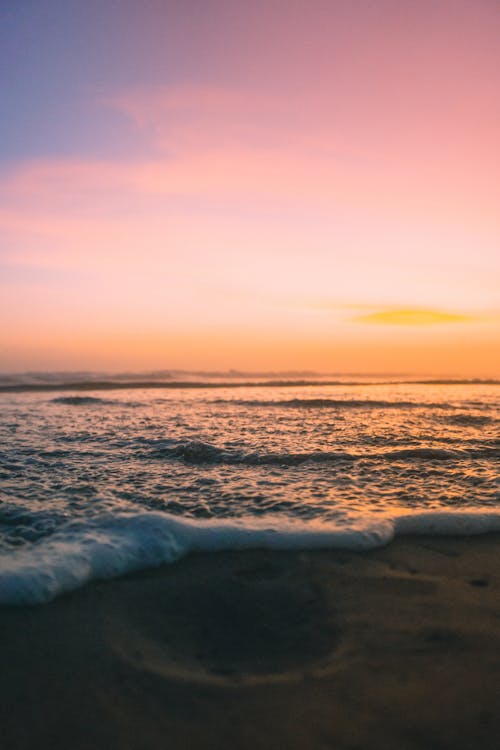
{"type": "Point", "coordinates": [417, 317]}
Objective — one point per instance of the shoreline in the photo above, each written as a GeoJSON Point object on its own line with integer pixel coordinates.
{"type": "Point", "coordinates": [397, 647]}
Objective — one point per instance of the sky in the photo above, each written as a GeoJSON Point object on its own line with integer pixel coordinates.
{"type": "Point", "coordinates": [281, 184]}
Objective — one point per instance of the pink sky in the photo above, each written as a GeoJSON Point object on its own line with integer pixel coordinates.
{"type": "Point", "coordinates": [285, 171]}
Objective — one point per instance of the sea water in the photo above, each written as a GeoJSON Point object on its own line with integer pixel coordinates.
{"type": "Point", "coordinates": [98, 480]}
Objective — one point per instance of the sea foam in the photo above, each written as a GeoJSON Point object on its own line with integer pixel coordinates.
{"type": "Point", "coordinates": [110, 546]}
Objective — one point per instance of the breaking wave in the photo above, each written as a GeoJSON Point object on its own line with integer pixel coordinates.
{"type": "Point", "coordinates": [111, 546]}
{"type": "Point", "coordinates": [197, 452]}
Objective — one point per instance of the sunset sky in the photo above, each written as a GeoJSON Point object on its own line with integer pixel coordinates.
{"type": "Point", "coordinates": [276, 184]}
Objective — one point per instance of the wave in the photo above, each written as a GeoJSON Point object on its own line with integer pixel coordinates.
{"type": "Point", "coordinates": [11, 385]}
{"type": "Point", "coordinates": [470, 420]}
{"type": "Point", "coordinates": [90, 401]}
{"type": "Point", "coordinates": [336, 403]}
{"type": "Point", "coordinates": [197, 452]}
{"type": "Point", "coordinates": [111, 546]}
{"type": "Point", "coordinates": [303, 403]}
{"type": "Point", "coordinates": [81, 400]}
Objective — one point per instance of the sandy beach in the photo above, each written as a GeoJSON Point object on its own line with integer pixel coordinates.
{"type": "Point", "coordinates": [396, 648]}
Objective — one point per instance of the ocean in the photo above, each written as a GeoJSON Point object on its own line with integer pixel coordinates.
{"type": "Point", "coordinates": [103, 476]}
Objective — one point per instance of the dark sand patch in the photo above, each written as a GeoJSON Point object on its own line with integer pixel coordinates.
{"type": "Point", "coordinates": [397, 648]}
{"type": "Point", "coordinates": [226, 622]}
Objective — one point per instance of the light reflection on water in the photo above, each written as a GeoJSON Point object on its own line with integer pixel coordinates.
{"type": "Point", "coordinates": [327, 452]}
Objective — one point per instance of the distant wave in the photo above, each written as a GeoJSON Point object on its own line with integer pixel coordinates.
{"type": "Point", "coordinates": [80, 400]}
{"type": "Point", "coordinates": [197, 452]}
{"type": "Point", "coordinates": [7, 386]}
{"type": "Point", "coordinates": [109, 385]}
{"type": "Point", "coordinates": [90, 401]}
{"type": "Point", "coordinates": [111, 546]}
{"type": "Point", "coordinates": [333, 403]}
{"type": "Point", "coordinates": [304, 403]}
{"type": "Point", "coordinates": [470, 420]}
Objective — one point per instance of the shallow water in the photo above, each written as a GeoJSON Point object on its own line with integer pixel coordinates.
{"type": "Point", "coordinates": [337, 457]}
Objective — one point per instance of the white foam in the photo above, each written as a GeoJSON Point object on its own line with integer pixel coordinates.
{"type": "Point", "coordinates": [111, 546]}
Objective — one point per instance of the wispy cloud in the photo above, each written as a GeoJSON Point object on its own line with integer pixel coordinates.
{"type": "Point", "coordinates": [414, 317]}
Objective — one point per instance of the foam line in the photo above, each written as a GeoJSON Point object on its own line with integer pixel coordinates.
{"type": "Point", "coordinates": [111, 546]}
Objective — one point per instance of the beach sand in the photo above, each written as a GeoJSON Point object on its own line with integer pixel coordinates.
{"type": "Point", "coordinates": [395, 648]}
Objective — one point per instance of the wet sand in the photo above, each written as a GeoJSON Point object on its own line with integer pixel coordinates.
{"type": "Point", "coordinates": [396, 648]}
